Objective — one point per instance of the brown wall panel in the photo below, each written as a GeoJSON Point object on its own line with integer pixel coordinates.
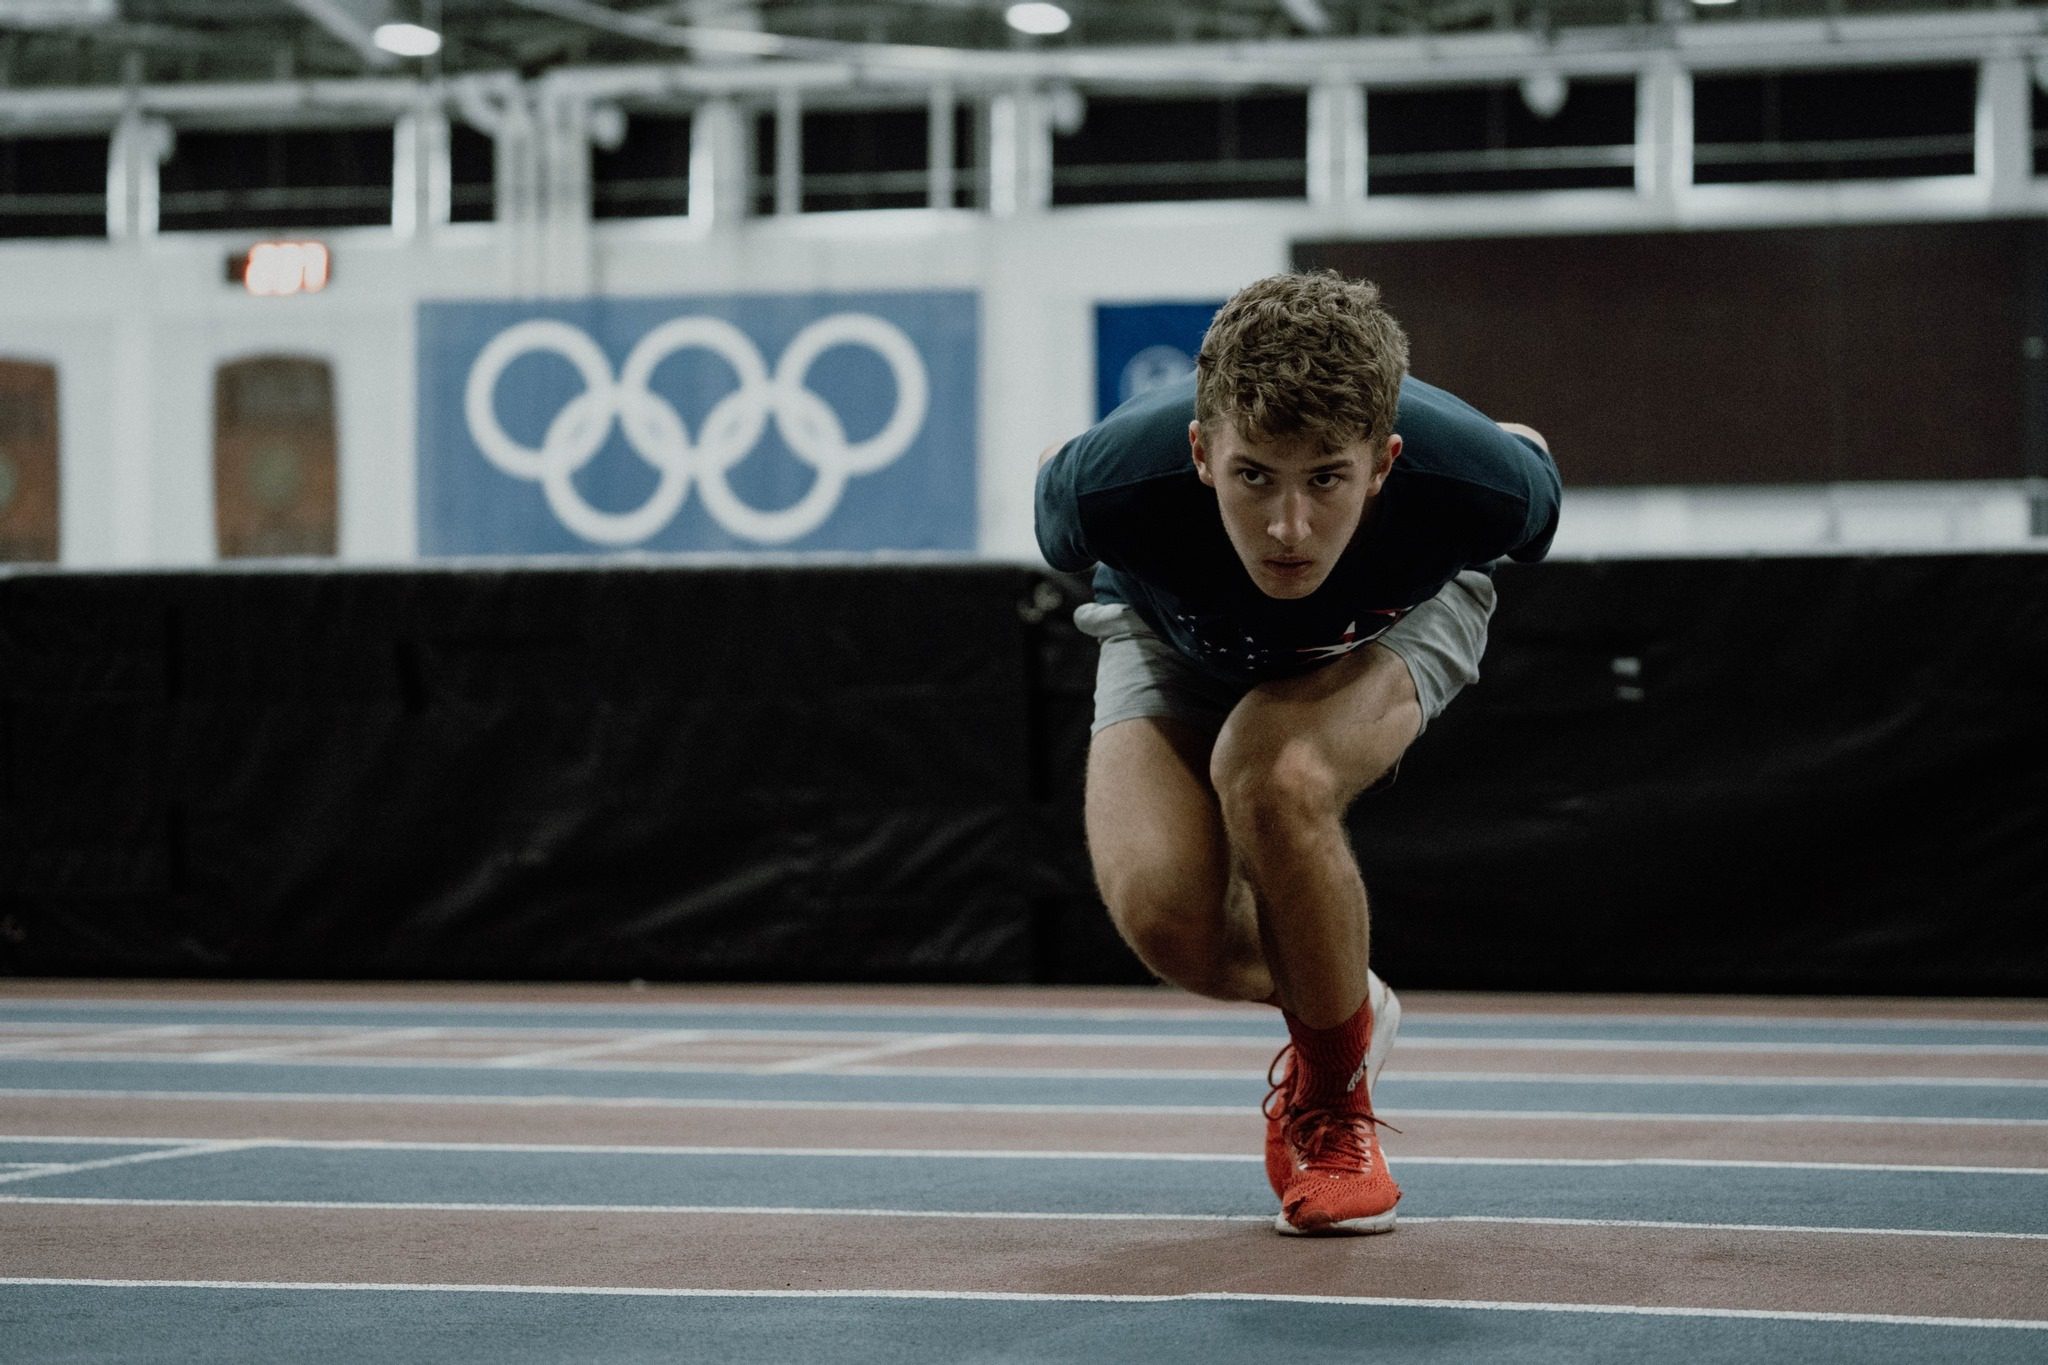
{"type": "Point", "coordinates": [28, 462]}
{"type": "Point", "coordinates": [1796, 355]}
{"type": "Point", "coordinates": [274, 458]}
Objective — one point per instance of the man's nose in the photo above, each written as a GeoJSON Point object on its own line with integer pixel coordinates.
{"type": "Point", "coordinates": [1289, 524]}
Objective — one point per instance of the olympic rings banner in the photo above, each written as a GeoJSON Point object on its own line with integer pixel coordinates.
{"type": "Point", "coordinates": [726, 422]}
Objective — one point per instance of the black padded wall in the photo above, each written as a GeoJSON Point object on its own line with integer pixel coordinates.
{"type": "Point", "coordinates": [574, 773]}
{"type": "Point", "coordinates": [1795, 774]}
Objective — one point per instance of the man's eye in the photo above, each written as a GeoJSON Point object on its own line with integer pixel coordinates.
{"type": "Point", "coordinates": [1252, 478]}
{"type": "Point", "coordinates": [1327, 480]}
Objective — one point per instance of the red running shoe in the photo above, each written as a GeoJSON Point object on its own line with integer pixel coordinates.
{"type": "Point", "coordinates": [1339, 1181]}
{"type": "Point", "coordinates": [1386, 1022]}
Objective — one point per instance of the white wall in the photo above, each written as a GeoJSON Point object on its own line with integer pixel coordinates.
{"type": "Point", "coordinates": [136, 331]}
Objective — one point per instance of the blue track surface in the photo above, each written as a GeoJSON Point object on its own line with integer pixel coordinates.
{"type": "Point", "coordinates": [2006, 1201]}
{"type": "Point", "coordinates": [1231, 1024]}
{"type": "Point", "coordinates": [66, 1325]}
{"type": "Point", "coordinates": [1679, 1096]}
{"type": "Point", "coordinates": [128, 1216]}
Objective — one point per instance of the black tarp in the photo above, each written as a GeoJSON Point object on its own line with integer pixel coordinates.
{"type": "Point", "coordinates": [1783, 774]}
{"type": "Point", "coordinates": [519, 773]}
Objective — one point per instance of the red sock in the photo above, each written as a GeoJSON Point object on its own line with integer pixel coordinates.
{"type": "Point", "coordinates": [1332, 1061]}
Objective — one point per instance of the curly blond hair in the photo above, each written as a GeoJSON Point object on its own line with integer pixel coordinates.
{"type": "Point", "coordinates": [1303, 357]}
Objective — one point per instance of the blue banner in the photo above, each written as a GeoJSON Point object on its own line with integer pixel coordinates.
{"type": "Point", "coordinates": [714, 422]}
{"type": "Point", "coordinates": [1140, 346]}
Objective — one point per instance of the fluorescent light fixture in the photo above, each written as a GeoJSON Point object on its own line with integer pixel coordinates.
{"type": "Point", "coordinates": [407, 40]}
{"type": "Point", "coordinates": [1040, 20]}
{"type": "Point", "coordinates": [1709, 4]}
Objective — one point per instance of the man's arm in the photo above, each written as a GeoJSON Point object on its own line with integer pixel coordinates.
{"type": "Point", "coordinates": [1057, 518]}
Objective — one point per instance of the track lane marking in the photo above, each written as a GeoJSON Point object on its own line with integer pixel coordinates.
{"type": "Point", "coordinates": [1017, 1296]}
{"type": "Point", "coordinates": [132, 1159]}
{"type": "Point", "coordinates": [970, 1215]}
{"type": "Point", "coordinates": [92, 1033]}
{"type": "Point", "coordinates": [1110, 1014]}
{"type": "Point", "coordinates": [842, 1060]}
{"type": "Point", "coordinates": [837, 1064]}
{"type": "Point", "coordinates": [1416, 1039]}
{"type": "Point", "coordinates": [552, 1056]}
{"type": "Point", "coordinates": [1019, 1154]}
{"type": "Point", "coordinates": [964, 1107]}
{"type": "Point", "coordinates": [293, 1052]}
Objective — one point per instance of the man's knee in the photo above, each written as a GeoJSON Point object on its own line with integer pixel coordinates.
{"type": "Point", "coordinates": [1275, 793]}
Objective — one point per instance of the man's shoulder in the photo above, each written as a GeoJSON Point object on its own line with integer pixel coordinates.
{"type": "Point", "coordinates": [1445, 436]}
{"type": "Point", "coordinates": [1144, 439]}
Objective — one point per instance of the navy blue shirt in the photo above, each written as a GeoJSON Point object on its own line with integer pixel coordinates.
{"type": "Point", "coordinates": [1124, 495]}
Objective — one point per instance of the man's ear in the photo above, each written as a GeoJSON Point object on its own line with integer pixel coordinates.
{"type": "Point", "coordinates": [1384, 465]}
{"type": "Point", "coordinates": [1195, 448]}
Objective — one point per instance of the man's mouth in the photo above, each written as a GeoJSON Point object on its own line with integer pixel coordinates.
{"type": "Point", "coordinates": [1287, 567]}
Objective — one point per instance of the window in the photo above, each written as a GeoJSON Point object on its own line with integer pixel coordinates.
{"type": "Point", "coordinates": [53, 187]}
{"type": "Point", "coordinates": [1834, 125]}
{"type": "Point", "coordinates": [1135, 150]}
{"type": "Point", "coordinates": [1485, 139]}
{"type": "Point", "coordinates": [648, 174]}
{"type": "Point", "coordinates": [333, 177]}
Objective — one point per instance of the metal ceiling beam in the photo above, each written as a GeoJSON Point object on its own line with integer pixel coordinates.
{"type": "Point", "coordinates": [1308, 15]}
{"type": "Point", "coordinates": [351, 21]}
{"type": "Point", "coordinates": [1371, 62]}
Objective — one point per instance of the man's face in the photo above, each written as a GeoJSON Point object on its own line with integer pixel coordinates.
{"type": "Point", "coordinates": [1289, 509]}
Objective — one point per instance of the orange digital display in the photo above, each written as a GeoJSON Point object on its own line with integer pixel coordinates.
{"type": "Point", "coordinates": [276, 269]}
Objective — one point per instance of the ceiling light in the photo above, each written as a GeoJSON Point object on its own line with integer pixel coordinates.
{"type": "Point", "coordinates": [1544, 93]}
{"type": "Point", "coordinates": [1041, 20]}
{"type": "Point", "coordinates": [407, 40]}
{"type": "Point", "coordinates": [1708, 4]}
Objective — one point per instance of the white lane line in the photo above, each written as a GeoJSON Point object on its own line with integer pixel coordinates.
{"type": "Point", "coordinates": [1193, 1014]}
{"type": "Point", "coordinates": [1232, 1111]}
{"type": "Point", "coordinates": [970, 1215]}
{"type": "Point", "coordinates": [94, 1036]}
{"type": "Point", "coordinates": [296, 1051]}
{"type": "Point", "coordinates": [632, 1042]}
{"type": "Point", "coordinates": [1416, 1038]}
{"type": "Point", "coordinates": [1032, 1154]}
{"type": "Point", "coordinates": [301, 1054]}
{"type": "Point", "coordinates": [1403, 1074]}
{"type": "Point", "coordinates": [1015, 1296]}
{"type": "Point", "coordinates": [746, 1210]}
{"type": "Point", "coordinates": [849, 1057]}
{"type": "Point", "coordinates": [132, 1159]}
{"type": "Point", "coordinates": [1720, 1227]}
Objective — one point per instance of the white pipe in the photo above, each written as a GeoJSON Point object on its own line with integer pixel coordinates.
{"type": "Point", "coordinates": [1299, 63]}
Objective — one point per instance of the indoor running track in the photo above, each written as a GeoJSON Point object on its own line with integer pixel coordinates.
{"type": "Point", "coordinates": [212, 1173]}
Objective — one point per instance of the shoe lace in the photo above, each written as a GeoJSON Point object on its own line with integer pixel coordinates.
{"type": "Point", "coordinates": [1333, 1137]}
{"type": "Point", "coordinates": [1275, 1103]}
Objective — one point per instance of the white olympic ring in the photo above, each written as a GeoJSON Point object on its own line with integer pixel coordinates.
{"type": "Point", "coordinates": [656, 432]}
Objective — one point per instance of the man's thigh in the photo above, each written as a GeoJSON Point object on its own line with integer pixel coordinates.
{"type": "Point", "coordinates": [1355, 717]}
{"type": "Point", "coordinates": [1154, 832]}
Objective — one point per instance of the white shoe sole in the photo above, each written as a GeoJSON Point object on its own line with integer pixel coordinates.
{"type": "Point", "coordinates": [1350, 1227]}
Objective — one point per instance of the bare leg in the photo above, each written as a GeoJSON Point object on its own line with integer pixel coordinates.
{"type": "Point", "coordinates": [1288, 763]}
{"type": "Point", "coordinates": [1163, 864]}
